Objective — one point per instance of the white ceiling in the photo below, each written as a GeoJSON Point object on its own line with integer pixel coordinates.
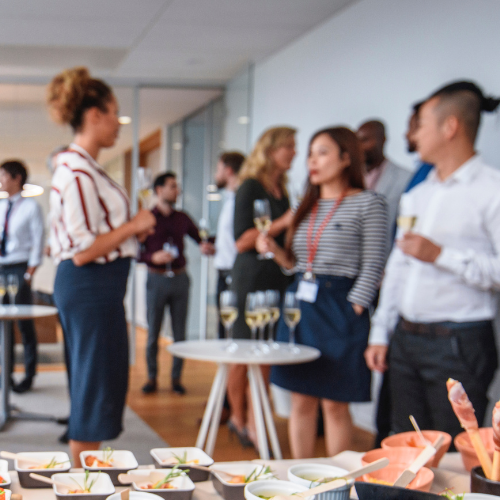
{"type": "Point", "coordinates": [169, 41]}
{"type": "Point", "coordinates": [195, 44]}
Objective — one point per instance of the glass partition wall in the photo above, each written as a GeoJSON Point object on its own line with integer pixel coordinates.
{"type": "Point", "coordinates": [167, 129]}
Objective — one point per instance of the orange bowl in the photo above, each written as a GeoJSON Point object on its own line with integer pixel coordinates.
{"type": "Point", "coordinates": [397, 455]}
{"type": "Point", "coordinates": [422, 481]}
{"type": "Point", "coordinates": [412, 440]}
{"type": "Point", "coordinates": [464, 446]}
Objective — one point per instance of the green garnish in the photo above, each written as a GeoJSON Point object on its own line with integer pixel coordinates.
{"type": "Point", "coordinates": [254, 475]}
{"type": "Point", "coordinates": [451, 496]}
{"type": "Point", "coordinates": [53, 463]}
{"type": "Point", "coordinates": [87, 486]}
{"type": "Point", "coordinates": [107, 453]}
{"type": "Point", "coordinates": [180, 460]}
{"type": "Point", "coordinates": [175, 472]}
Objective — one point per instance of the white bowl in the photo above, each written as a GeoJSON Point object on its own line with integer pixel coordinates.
{"type": "Point", "coordinates": [4, 473]}
{"type": "Point", "coordinates": [476, 496]}
{"type": "Point", "coordinates": [102, 488]}
{"type": "Point", "coordinates": [296, 475]}
{"type": "Point", "coordinates": [184, 487]}
{"type": "Point", "coordinates": [121, 459]}
{"type": "Point", "coordinates": [136, 495]}
{"type": "Point", "coordinates": [272, 488]}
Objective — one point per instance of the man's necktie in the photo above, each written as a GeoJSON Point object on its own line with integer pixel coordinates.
{"type": "Point", "coordinates": [5, 232]}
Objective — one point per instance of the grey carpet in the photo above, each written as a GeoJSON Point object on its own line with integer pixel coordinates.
{"type": "Point", "coordinates": [49, 395]}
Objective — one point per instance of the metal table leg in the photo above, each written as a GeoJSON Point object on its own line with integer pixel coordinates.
{"type": "Point", "coordinates": [257, 410]}
{"type": "Point", "coordinates": [218, 387]}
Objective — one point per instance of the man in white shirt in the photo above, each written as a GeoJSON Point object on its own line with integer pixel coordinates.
{"type": "Point", "coordinates": [21, 250]}
{"type": "Point", "coordinates": [438, 297]}
{"type": "Point", "coordinates": [382, 175]}
{"type": "Point", "coordinates": [226, 177]}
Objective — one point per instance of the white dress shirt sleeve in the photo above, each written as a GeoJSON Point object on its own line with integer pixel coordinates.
{"type": "Point", "coordinates": [475, 268]}
{"type": "Point", "coordinates": [81, 211]}
{"type": "Point", "coordinates": [386, 316]}
{"type": "Point", "coordinates": [37, 228]}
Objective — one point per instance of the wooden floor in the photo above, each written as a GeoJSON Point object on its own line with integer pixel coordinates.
{"type": "Point", "coordinates": [177, 418]}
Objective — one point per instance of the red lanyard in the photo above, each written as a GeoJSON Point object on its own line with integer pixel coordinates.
{"type": "Point", "coordinates": [312, 246]}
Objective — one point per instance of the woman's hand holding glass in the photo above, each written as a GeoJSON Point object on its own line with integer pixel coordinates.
{"type": "Point", "coordinates": [262, 220]}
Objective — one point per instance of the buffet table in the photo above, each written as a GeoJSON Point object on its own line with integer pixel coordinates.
{"type": "Point", "coordinates": [450, 474]}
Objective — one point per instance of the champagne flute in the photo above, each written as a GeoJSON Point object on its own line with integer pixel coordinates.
{"type": "Point", "coordinates": [292, 317]}
{"type": "Point", "coordinates": [174, 252]}
{"type": "Point", "coordinates": [203, 230]}
{"type": "Point", "coordinates": [228, 310]}
{"type": "Point", "coordinates": [406, 223]}
{"type": "Point", "coordinates": [262, 221]}
{"type": "Point", "coordinates": [253, 317]}
{"type": "Point", "coordinates": [3, 288]}
{"type": "Point", "coordinates": [145, 193]}
{"type": "Point", "coordinates": [265, 317]}
{"type": "Point", "coordinates": [12, 288]}
{"type": "Point", "coordinates": [273, 301]}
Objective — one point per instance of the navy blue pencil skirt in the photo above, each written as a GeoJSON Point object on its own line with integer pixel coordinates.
{"type": "Point", "coordinates": [331, 325]}
{"type": "Point", "coordinates": [90, 303]}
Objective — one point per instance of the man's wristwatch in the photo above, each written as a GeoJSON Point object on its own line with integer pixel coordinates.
{"type": "Point", "coordinates": [27, 277]}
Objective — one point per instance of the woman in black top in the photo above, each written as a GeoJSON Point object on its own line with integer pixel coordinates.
{"type": "Point", "coordinates": [262, 176]}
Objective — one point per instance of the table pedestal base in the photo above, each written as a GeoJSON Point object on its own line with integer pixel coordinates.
{"type": "Point", "coordinates": [261, 407]}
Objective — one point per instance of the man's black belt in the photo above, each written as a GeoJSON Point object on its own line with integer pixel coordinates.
{"type": "Point", "coordinates": [444, 328]}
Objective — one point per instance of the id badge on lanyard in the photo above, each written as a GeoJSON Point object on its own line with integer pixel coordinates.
{"type": "Point", "coordinates": [308, 285]}
{"type": "Point", "coordinates": [308, 288]}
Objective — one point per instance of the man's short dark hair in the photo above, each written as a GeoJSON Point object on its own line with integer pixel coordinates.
{"type": "Point", "coordinates": [233, 160]}
{"type": "Point", "coordinates": [161, 179]}
{"type": "Point", "coordinates": [15, 168]}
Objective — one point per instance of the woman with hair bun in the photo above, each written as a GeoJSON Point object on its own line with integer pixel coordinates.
{"type": "Point", "coordinates": [93, 239]}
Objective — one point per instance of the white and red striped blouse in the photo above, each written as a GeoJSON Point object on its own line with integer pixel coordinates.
{"type": "Point", "coordinates": [85, 202]}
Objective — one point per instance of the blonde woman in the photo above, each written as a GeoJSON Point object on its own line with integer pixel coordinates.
{"type": "Point", "coordinates": [262, 176]}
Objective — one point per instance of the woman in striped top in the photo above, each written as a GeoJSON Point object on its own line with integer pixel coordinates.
{"type": "Point", "coordinates": [92, 240]}
{"type": "Point", "coordinates": [336, 240]}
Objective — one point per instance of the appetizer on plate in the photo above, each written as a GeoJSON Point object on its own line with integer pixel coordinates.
{"type": "Point", "coordinates": [52, 464]}
{"type": "Point", "coordinates": [86, 487]}
{"type": "Point", "coordinates": [166, 482]}
{"type": "Point", "coordinates": [255, 475]}
{"type": "Point", "coordinates": [179, 460]}
{"type": "Point", "coordinates": [107, 460]}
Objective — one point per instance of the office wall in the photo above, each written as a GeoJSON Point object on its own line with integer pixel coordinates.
{"type": "Point", "coordinates": [374, 59]}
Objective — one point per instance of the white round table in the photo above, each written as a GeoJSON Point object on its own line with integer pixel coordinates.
{"type": "Point", "coordinates": [14, 313]}
{"type": "Point", "coordinates": [214, 351]}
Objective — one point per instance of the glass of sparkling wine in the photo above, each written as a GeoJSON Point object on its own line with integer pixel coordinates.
{"type": "Point", "coordinates": [273, 302]}
{"type": "Point", "coordinates": [228, 310]}
{"type": "Point", "coordinates": [203, 230]}
{"type": "Point", "coordinates": [145, 193]}
{"type": "Point", "coordinates": [174, 252]}
{"type": "Point", "coordinates": [253, 316]}
{"type": "Point", "coordinates": [12, 288]}
{"type": "Point", "coordinates": [262, 221]}
{"type": "Point", "coordinates": [3, 288]}
{"type": "Point", "coordinates": [265, 317]}
{"type": "Point", "coordinates": [406, 223]}
{"type": "Point", "coordinates": [291, 312]}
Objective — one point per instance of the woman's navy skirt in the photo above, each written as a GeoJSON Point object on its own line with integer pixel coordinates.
{"type": "Point", "coordinates": [90, 303]}
{"type": "Point", "coordinates": [331, 325]}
